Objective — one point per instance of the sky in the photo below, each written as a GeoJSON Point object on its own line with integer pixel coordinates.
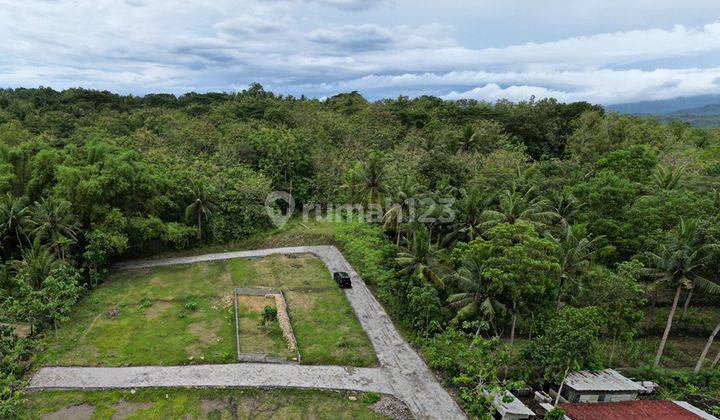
{"type": "Point", "coordinates": [602, 51]}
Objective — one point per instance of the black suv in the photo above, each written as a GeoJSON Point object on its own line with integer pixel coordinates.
{"type": "Point", "coordinates": [342, 279]}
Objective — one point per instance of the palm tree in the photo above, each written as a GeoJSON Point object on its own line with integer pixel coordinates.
{"type": "Point", "coordinates": [398, 213]}
{"type": "Point", "coordinates": [373, 178]}
{"type": "Point", "coordinates": [564, 205]}
{"type": "Point", "coordinates": [514, 205]}
{"type": "Point", "coordinates": [420, 257]}
{"type": "Point", "coordinates": [667, 178]}
{"type": "Point", "coordinates": [477, 298]}
{"type": "Point", "coordinates": [201, 208]}
{"type": "Point", "coordinates": [15, 217]}
{"type": "Point", "coordinates": [38, 262]}
{"type": "Point", "coordinates": [575, 252]}
{"type": "Point", "coordinates": [678, 263]}
{"type": "Point", "coordinates": [54, 222]}
{"type": "Point", "coordinates": [469, 214]}
{"type": "Point", "coordinates": [701, 359]}
{"type": "Point", "coordinates": [468, 139]}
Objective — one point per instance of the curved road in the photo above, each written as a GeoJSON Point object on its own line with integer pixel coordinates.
{"type": "Point", "coordinates": [401, 373]}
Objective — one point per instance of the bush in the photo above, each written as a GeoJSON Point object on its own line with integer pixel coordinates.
{"type": "Point", "coordinates": [269, 314]}
{"type": "Point", "coordinates": [370, 398]}
{"type": "Point", "coordinates": [678, 384]}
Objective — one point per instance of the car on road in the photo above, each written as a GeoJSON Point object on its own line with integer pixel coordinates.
{"type": "Point", "coordinates": [342, 279]}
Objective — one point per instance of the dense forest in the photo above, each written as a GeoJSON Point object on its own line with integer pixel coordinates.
{"type": "Point", "coordinates": [569, 222]}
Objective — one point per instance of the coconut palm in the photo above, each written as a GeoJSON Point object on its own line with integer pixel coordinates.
{"type": "Point", "coordinates": [373, 180]}
{"type": "Point", "coordinates": [54, 222]}
{"type": "Point", "coordinates": [469, 214]}
{"type": "Point", "coordinates": [564, 205]}
{"type": "Point", "coordinates": [678, 263]}
{"type": "Point", "coordinates": [14, 218]}
{"type": "Point", "coordinates": [37, 262]}
{"type": "Point", "coordinates": [477, 299]}
{"type": "Point", "coordinates": [399, 212]}
{"type": "Point", "coordinates": [201, 208]}
{"type": "Point", "coordinates": [514, 205]}
{"type": "Point", "coordinates": [420, 257]}
{"type": "Point", "coordinates": [468, 139]}
{"type": "Point", "coordinates": [575, 253]}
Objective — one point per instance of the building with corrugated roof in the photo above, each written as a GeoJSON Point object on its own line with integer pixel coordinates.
{"type": "Point", "coordinates": [604, 386]}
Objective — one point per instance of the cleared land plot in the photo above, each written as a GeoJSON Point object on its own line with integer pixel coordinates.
{"type": "Point", "coordinates": [199, 404]}
{"type": "Point", "coordinates": [183, 314]}
{"type": "Point", "coordinates": [256, 339]}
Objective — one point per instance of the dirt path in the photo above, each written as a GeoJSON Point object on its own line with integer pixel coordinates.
{"type": "Point", "coordinates": [401, 373]}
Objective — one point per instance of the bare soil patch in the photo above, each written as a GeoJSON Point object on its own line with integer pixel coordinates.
{"type": "Point", "coordinates": [125, 409]}
{"type": "Point", "coordinates": [157, 309]}
{"type": "Point", "coordinates": [82, 411]}
{"type": "Point", "coordinates": [207, 334]}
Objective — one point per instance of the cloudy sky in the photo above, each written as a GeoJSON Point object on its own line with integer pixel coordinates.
{"type": "Point", "coordinates": [604, 51]}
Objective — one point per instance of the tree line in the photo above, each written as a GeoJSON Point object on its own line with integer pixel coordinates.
{"type": "Point", "coordinates": [568, 221]}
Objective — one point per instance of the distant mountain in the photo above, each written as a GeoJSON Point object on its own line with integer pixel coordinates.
{"type": "Point", "coordinates": [666, 106]}
{"type": "Point", "coordinates": [699, 111]}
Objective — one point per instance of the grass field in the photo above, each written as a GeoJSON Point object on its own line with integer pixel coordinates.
{"type": "Point", "coordinates": [200, 404]}
{"type": "Point", "coordinates": [184, 314]}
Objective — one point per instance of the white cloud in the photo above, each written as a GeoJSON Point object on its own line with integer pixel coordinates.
{"type": "Point", "coordinates": [382, 48]}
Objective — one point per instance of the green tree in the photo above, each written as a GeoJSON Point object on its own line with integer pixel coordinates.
{"type": "Point", "coordinates": [373, 180]}
{"type": "Point", "coordinates": [569, 342]}
{"type": "Point", "coordinates": [15, 216]}
{"type": "Point", "coordinates": [202, 207]}
{"type": "Point", "coordinates": [678, 264]}
{"type": "Point", "coordinates": [575, 253]}
{"type": "Point", "coordinates": [514, 206]}
{"type": "Point", "coordinates": [469, 211]}
{"type": "Point", "coordinates": [421, 258]}
{"type": "Point", "coordinates": [54, 222]}
{"type": "Point", "coordinates": [398, 215]}
{"type": "Point", "coordinates": [477, 299]}
{"type": "Point", "coordinates": [522, 265]}
{"type": "Point", "coordinates": [36, 264]}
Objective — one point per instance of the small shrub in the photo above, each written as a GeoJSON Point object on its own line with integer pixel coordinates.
{"type": "Point", "coordinates": [182, 315]}
{"type": "Point", "coordinates": [342, 343]}
{"type": "Point", "coordinates": [370, 398]}
{"type": "Point", "coordinates": [556, 413]}
{"type": "Point", "coordinates": [191, 306]}
{"type": "Point", "coordinates": [269, 314]}
{"type": "Point", "coordinates": [145, 303]}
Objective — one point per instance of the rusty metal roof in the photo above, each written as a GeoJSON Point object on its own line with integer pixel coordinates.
{"type": "Point", "coordinates": [629, 410]}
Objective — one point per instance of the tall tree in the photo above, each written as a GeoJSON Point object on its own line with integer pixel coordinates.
{"type": "Point", "coordinates": [514, 206]}
{"type": "Point", "coordinates": [202, 206]}
{"type": "Point", "coordinates": [398, 215]}
{"type": "Point", "coordinates": [469, 214]}
{"type": "Point", "coordinates": [54, 222]}
{"type": "Point", "coordinates": [477, 298]}
{"type": "Point", "coordinates": [374, 180]}
{"type": "Point", "coordinates": [421, 258]}
{"type": "Point", "coordinates": [679, 264]}
{"type": "Point", "coordinates": [15, 218]}
{"type": "Point", "coordinates": [575, 252]}
{"type": "Point", "coordinates": [37, 264]}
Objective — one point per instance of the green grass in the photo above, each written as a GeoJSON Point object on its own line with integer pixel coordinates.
{"type": "Point", "coordinates": [199, 404]}
{"type": "Point", "coordinates": [256, 339]}
{"type": "Point", "coordinates": [156, 327]}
